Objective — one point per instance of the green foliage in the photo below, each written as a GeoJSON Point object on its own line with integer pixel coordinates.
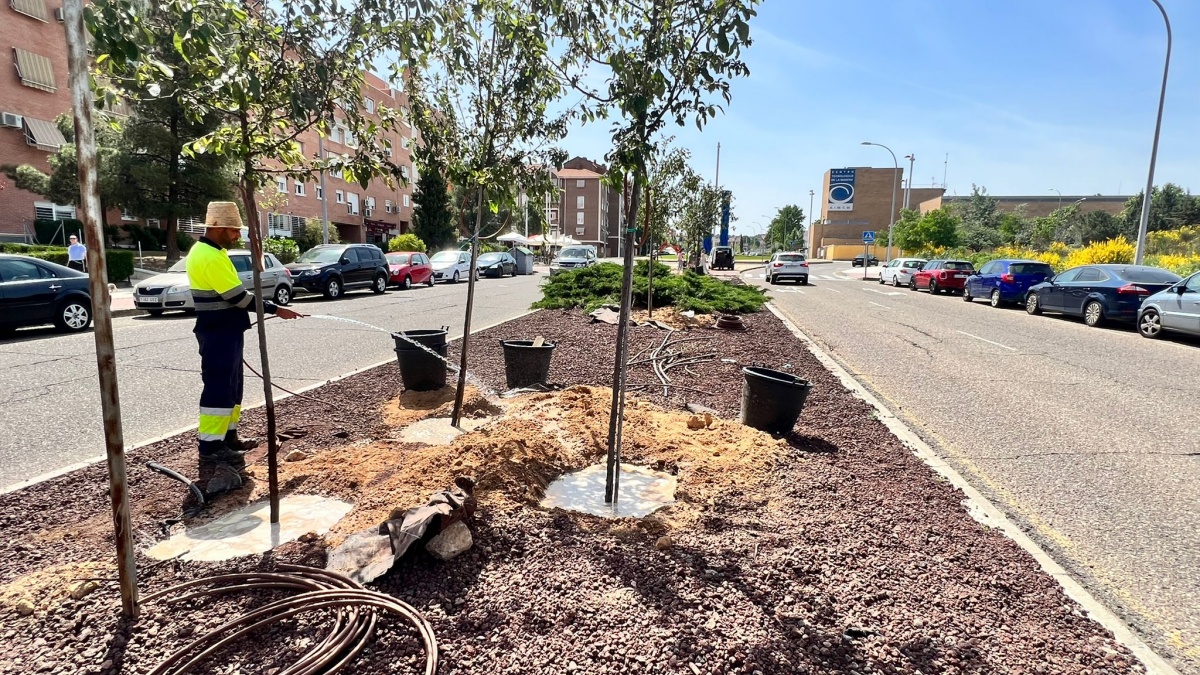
{"type": "Point", "coordinates": [670, 189]}
{"type": "Point", "coordinates": [433, 215]}
{"type": "Point", "coordinates": [151, 238]}
{"type": "Point", "coordinates": [937, 228]}
{"type": "Point", "coordinates": [184, 241]}
{"type": "Point", "coordinates": [119, 263]}
{"type": "Point", "coordinates": [979, 220]}
{"type": "Point", "coordinates": [787, 228]}
{"type": "Point", "coordinates": [313, 234]}
{"type": "Point", "coordinates": [591, 287]}
{"type": "Point", "coordinates": [406, 242]}
{"type": "Point", "coordinates": [283, 248]}
{"type": "Point", "coordinates": [1171, 207]}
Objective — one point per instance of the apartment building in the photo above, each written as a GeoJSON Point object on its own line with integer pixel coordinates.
{"type": "Point", "coordinates": [587, 210]}
{"type": "Point", "coordinates": [34, 93]}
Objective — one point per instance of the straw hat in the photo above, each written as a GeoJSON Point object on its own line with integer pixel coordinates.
{"type": "Point", "coordinates": [223, 214]}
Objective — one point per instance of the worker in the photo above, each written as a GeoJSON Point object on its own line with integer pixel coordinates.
{"type": "Point", "coordinates": [222, 317]}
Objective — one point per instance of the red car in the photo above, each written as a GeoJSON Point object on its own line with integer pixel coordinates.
{"type": "Point", "coordinates": [941, 275]}
{"type": "Point", "coordinates": [406, 269]}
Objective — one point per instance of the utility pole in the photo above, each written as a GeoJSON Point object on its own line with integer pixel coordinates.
{"type": "Point", "coordinates": [912, 161]}
{"type": "Point", "coordinates": [106, 359]}
{"type": "Point", "coordinates": [324, 193]}
{"type": "Point", "coordinates": [1147, 196]}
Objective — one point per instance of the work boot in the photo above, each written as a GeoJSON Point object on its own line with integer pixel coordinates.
{"type": "Point", "coordinates": [240, 444]}
{"type": "Point", "coordinates": [223, 479]}
{"type": "Point", "coordinates": [225, 455]}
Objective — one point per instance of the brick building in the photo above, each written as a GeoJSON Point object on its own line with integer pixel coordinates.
{"type": "Point", "coordinates": [34, 93]}
{"type": "Point", "coordinates": [858, 199]}
{"type": "Point", "coordinates": [587, 210]}
{"type": "Point", "coordinates": [1034, 207]}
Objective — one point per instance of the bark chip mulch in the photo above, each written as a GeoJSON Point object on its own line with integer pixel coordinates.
{"type": "Point", "coordinates": [834, 550]}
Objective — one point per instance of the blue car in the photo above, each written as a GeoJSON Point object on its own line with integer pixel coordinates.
{"type": "Point", "coordinates": [1100, 293]}
{"type": "Point", "coordinates": [1005, 281]}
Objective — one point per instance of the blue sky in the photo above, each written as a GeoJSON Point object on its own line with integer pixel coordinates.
{"type": "Point", "coordinates": [1024, 96]}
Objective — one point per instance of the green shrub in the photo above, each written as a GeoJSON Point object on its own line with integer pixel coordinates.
{"type": "Point", "coordinates": [185, 241]}
{"type": "Point", "coordinates": [406, 242]}
{"type": "Point", "coordinates": [598, 285]}
{"type": "Point", "coordinates": [285, 249]}
{"type": "Point", "coordinates": [119, 263]}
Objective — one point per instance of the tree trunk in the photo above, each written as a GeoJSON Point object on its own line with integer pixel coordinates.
{"type": "Point", "coordinates": [466, 338]}
{"type": "Point", "coordinates": [173, 195]}
{"type": "Point", "coordinates": [650, 266]}
{"type": "Point", "coordinates": [612, 481]}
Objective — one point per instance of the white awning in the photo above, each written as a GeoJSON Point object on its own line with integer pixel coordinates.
{"type": "Point", "coordinates": [35, 70]}
{"type": "Point", "coordinates": [34, 8]}
{"type": "Point", "coordinates": [513, 238]}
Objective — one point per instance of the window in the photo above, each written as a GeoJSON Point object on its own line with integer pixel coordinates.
{"type": "Point", "coordinates": [352, 203]}
{"type": "Point", "coordinates": [1031, 268]}
{"type": "Point", "coordinates": [579, 218]}
{"type": "Point", "coordinates": [341, 197]}
{"type": "Point", "coordinates": [351, 139]}
{"type": "Point", "coordinates": [299, 189]}
{"type": "Point", "coordinates": [351, 255]}
{"type": "Point", "coordinates": [387, 206]}
{"type": "Point", "coordinates": [268, 263]}
{"type": "Point", "coordinates": [32, 8]}
{"type": "Point", "coordinates": [369, 104]}
{"type": "Point", "coordinates": [126, 214]}
{"type": "Point", "coordinates": [1068, 276]}
{"type": "Point", "coordinates": [35, 70]}
{"type": "Point", "coordinates": [404, 172]}
{"type": "Point", "coordinates": [986, 269]}
{"type": "Point", "coordinates": [281, 184]}
{"type": "Point", "coordinates": [404, 116]}
{"type": "Point", "coordinates": [553, 215]}
{"type": "Point", "coordinates": [579, 230]}
{"type": "Point", "coordinates": [153, 222]}
{"type": "Point", "coordinates": [15, 269]}
{"type": "Point", "coordinates": [1193, 284]}
{"type": "Point", "coordinates": [241, 263]}
{"type": "Point", "coordinates": [279, 225]}
{"type": "Point", "coordinates": [580, 183]}
{"type": "Point", "coordinates": [387, 149]}
{"type": "Point", "coordinates": [579, 202]}
{"type": "Point", "coordinates": [1090, 274]}
{"type": "Point", "coordinates": [404, 142]}
{"type": "Point", "coordinates": [406, 201]}
{"type": "Point", "coordinates": [48, 211]}
{"type": "Point", "coordinates": [297, 224]}
{"type": "Point", "coordinates": [369, 207]}
{"type": "Point", "coordinates": [320, 192]}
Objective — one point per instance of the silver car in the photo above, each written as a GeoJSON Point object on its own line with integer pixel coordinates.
{"type": "Point", "coordinates": [573, 257]}
{"type": "Point", "coordinates": [898, 271]}
{"type": "Point", "coordinates": [452, 266]}
{"type": "Point", "coordinates": [171, 290]}
{"type": "Point", "coordinates": [1175, 309]}
{"type": "Point", "coordinates": [788, 265]}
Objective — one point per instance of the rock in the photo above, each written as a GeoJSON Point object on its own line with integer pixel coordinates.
{"type": "Point", "coordinates": [450, 542]}
{"type": "Point", "coordinates": [296, 456]}
{"type": "Point", "coordinates": [79, 589]}
{"type": "Point", "coordinates": [25, 607]}
{"type": "Point", "coordinates": [696, 422]}
{"type": "Point", "coordinates": [664, 543]}
{"type": "Point", "coordinates": [308, 537]}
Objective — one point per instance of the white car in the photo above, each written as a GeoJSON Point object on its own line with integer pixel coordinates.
{"type": "Point", "coordinates": [787, 265]}
{"type": "Point", "coordinates": [171, 291]}
{"type": "Point", "coordinates": [452, 266]}
{"type": "Point", "coordinates": [898, 271]}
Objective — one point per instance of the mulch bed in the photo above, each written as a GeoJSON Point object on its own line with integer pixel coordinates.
{"type": "Point", "coordinates": [858, 560]}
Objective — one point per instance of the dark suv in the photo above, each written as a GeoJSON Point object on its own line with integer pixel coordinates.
{"type": "Point", "coordinates": [331, 269]}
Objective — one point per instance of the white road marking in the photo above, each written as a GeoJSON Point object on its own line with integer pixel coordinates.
{"type": "Point", "coordinates": [875, 290]}
{"type": "Point", "coordinates": [871, 302]}
{"type": "Point", "coordinates": [832, 291]}
{"type": "Point", "coordinates": [787, 290]}
{"type": "Point", "coordinates": [1011, 349]}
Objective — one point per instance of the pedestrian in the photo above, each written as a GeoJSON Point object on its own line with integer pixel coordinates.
{"type": "Point", "coordinates": [222, 318]}
{"type": "Point", "coordinates": [76, 254]}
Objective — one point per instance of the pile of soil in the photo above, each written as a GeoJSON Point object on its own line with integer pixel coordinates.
{"type": "Point", "coordinates": [835, 550]}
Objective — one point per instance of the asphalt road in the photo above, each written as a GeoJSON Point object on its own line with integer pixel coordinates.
{"type": "Point", "coordinates": [1087, 437]}
{"type": "Point", "coordinates": [49, 392]}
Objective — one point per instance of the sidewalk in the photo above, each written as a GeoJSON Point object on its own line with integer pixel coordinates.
{"type": "Point", "coordinates": [868, 274]}
{"type": "Point", "coordinates": [122, 303]}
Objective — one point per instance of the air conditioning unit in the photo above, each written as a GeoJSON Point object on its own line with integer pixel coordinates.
{"type": "Point", "coordinates": [60, 15]}
{"type": "Point", "coordinates": [11, 120]}
{"type": "Point", "coordinates": [389, 208]}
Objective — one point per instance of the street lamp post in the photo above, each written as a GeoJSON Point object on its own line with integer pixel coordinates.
{"type": "Point", "coordinates": [895, 177]}
{"type": "Point", "coordinates": [912, 161]}
{"type": "Point", "coordinates": [1144, 224]}
{"type": "Point", "coordinates": [1059, 196]}
{"type": "Point", "coordinates": [811, 194]}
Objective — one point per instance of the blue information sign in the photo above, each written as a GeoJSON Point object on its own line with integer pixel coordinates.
{"type": "Point", "coordinates": [868, 237]}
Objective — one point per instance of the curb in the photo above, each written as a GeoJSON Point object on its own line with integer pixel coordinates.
{"type": "Point", "coordinates": [192, 427]}
{"type": "Point", "coordinates": [984, 511]}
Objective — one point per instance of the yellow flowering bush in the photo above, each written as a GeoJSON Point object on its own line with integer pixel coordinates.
{"type": "Point", "coordinates": [1113, 251]}
{"type": "Point", "coordinates": [1182, 265]}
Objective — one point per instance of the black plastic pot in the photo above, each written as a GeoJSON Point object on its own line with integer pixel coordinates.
{"type": "Point", "coordinates": [524, 364]}
{"type": "Point", "coordinates": [420, 370]}
{"type": "Point", "coordinates": [772, 400]}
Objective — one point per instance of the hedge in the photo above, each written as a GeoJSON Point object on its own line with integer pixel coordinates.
{"type": "Point", "coordinates": [119, 263]}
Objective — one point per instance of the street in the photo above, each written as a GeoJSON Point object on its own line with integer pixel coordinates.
{"type": "Point", "coordinates": [50, 393]}
{"type": "Point", "coordinates": [1087, 437]}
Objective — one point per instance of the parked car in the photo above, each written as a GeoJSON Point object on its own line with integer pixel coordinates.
{"type": "Point", "coordinates": [35, 292]}
{"type": "Point", "coordinates": [898, 271]}
{"type": "Point", "coordinates": [941, 275]}
{"type": "Point", "coordinates": [790, 265]}
{"type": "Point", "coordinates": [1099, 292]}
{"type": "Point", "coordinates": [408, 268]}
{"type": "Point", "coordinates": [451, 266]}
{"type": "Point", "coordinates": [1175, 309]}
{"type": "Point", "coordinates": [573, 257]}
{"type": "Point", "coordinates": [723, 258]}
{"type": "Point", "coordinates": [864, 260]}
{"type": "Point", "coordinates": [1005, 281]}
{"type": "Point", "coordinates": [332, 269]}
{"type": "Point", "coordinates": [171, 290]}
{"type": "Point", "coordinates": [497, 264]}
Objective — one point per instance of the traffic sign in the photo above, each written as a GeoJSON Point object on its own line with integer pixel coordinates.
{"type": "Point", "coordinates": [868, 237]}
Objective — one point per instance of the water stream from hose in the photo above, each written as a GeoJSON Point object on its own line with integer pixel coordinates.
{"type": "Point", "coordinates": [487, 391]}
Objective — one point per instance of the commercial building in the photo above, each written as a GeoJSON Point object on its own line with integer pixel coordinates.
{"type": "Point", "coordinates": [1034, 207]}
{"type": "Point", "coordinates": [34, 93]}
{"type": "Point", "coordinates": [587, 210]}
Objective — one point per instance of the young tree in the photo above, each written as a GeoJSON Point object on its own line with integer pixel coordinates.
{"type": "Point", "coordinates": [787, 227]}
{"type": "Point", "coordinates": [482, 107]}
{"type": "Point", "coordinates": [936, 229]}
{"type": "Point", "coordinates": [270, 72]}
{"type": "Point", "coordinates": [659, 62]}
{"type": "Point", "coordinates": [433, 213]}
{"type": "Point", "coordinates": [980, 220]}
{"type": "Point", "coordinates": [670, 185]}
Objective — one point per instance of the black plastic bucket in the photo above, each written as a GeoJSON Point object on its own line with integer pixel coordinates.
{"type": "Point", "coordinates": [524, 364]}
{"type": "Point", "coordinates": [772, 400]}
{"type": "Point", "coordinates": [420, 370]}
